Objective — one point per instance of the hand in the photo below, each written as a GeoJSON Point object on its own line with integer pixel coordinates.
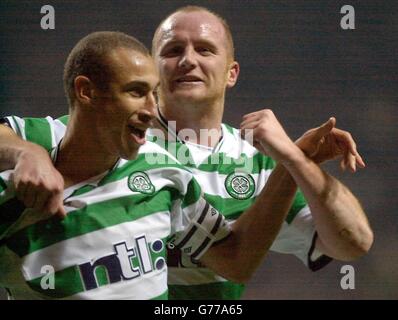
{"type": "Point", "coordinates": [37, 183]}
{"type": "Point", "coordinates": [327, 142]}
{"type": "Point", "coordinates": [264, 131]}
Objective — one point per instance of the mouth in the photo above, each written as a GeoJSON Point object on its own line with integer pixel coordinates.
{"type": "Point", "coordinates": [188, 80]}
{"type": "Point", "coordinates": [137, 134]}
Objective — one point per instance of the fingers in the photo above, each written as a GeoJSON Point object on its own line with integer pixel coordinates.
{"type": "Point", "coordinates": [347, 144]}
{"type": "Point", "coordinates": [20, 189]}
{"type": "Point", "coordinates": [350, 162]}
{"type": "Point", "coordinates": [41, 199]}
{"type": "Point", "coordinates": [55, 206]}
{"type": "Point", "coordinates": [38, 184]}
{"type": "Point", "coordinates": [61, 212]}
{"type": "Point", "coordinates": [247, 134]}
{"type": "Point", "coordinates": [325, 128]}
{"type": "Point", "coordinates": [346, 141]}
{"type": "Point", "coordinates": [258, 115]}
{"type": "Point", "coordinates": [250, 123]}
{"type": "Point", "coordinates": [251, 115]}
{"type": "Point", "coordinates": [343, 164]}
{"type": "Point", "coordinates": [30, 195]}
{"type": "Point", "coordinates": [44, 197]}
{"type": "Point", "coordinates": [360, 161]}
{"type": "Point", "coordinates": [247, 129]}
{"type": "Point", "coordinates": [353, 161]}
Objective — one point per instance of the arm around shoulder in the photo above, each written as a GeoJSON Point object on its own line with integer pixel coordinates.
{"type": "Point", "coordinates": [37, 183]}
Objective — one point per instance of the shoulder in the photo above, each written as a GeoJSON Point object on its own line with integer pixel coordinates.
{"type": "Point", "coordinates": [46, 132]}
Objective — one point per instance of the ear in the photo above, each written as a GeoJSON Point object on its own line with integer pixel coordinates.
{"type": "Point", "coordinates": [84, 89]}
{"type": "Point", "coordinates": [233, 73]}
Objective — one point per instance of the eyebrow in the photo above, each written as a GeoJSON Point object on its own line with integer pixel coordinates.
{"type": "Point", "coordinates": [200, 42]}
{"type": "Point", "coordinates": [136, 84]}
{"type": "Point", "coordinates": [139, 84]}
{"type": "Point", "coordinates": [171, 43]}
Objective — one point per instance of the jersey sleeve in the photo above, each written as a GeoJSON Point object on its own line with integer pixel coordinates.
{"type": "Point", "coordinates": [46, 132]}
{"type": "Point", "coordinates": [196, 224]}
{"type": "Point", "coordinates": [298, 236]}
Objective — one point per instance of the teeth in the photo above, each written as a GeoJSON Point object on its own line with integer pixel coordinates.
{"type": "Point", "coordinates": [138, 132]}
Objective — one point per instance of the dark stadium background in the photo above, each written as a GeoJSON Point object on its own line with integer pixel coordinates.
{"type": "Point", "coordinates": [296, 60]}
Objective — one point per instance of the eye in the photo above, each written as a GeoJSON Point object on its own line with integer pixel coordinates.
{"type": "Point", "coordinates": [204, 51]}
{"type": "Point", "coordinates": [172, 51]}
{"type": "Point", "coordinates": [137, 92]}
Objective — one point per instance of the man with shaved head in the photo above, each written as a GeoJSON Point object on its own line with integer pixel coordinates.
{"type": "Point", "coordinates": [194, 52]}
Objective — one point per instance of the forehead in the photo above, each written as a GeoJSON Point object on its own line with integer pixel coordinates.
{"type": "Point", "coordinates": [130, 65]}
{"type": "Point", "coordinates": [196, 25]}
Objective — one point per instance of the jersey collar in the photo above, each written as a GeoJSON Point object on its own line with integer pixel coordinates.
{"type": "Point", "coordinates": [174, 133]}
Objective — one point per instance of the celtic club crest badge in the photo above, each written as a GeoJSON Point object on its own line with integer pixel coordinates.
{"type": "Point", "coordinates": [240, 185]}
{"type": "Point", "coordinates": [140, 182]}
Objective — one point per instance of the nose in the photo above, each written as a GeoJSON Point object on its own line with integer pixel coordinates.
{"type": "Point", "coordinates": [188, 59]}
{"type": "Point", "coordinates": [148, 113]}
{"type": "Point", "coordinates": [146, 116]}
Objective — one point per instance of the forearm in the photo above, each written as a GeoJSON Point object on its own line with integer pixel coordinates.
{"type": "Point", "coordinates": [343, 230]}
{"type": "Point", "coordinates": [237, 257]}
{"type": "Point", "coordinates": [11, 148]}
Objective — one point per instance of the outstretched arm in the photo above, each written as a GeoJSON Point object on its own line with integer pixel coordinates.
{"type": "Point", "coordinates": [339, 218]}
{"type": "Point", "coordinates": [343, 229]}
{"type": "Point", "coordinates": [37, 183]}
{"type": "Point", "coordinates": [344, 234]}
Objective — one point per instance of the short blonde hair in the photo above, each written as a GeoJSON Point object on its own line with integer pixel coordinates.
{"type": "Point", "coordinates": [187, 9]}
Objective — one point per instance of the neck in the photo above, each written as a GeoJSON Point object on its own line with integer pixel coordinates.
{"type": "Point", "coordinates": [81, 155]}
{"type": "Point", "coordinates": [200, 124]}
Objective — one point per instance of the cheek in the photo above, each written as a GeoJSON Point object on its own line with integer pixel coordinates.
{"type": "Point", "coordinates": [215, 68]}
{"type": "Point", "coordinates": [167, 67]}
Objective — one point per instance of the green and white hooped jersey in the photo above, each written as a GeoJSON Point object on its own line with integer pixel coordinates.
{"type": "Point", "coordinates": [113, 242]}
{"type": "Point", "coordinates": [232, 175]}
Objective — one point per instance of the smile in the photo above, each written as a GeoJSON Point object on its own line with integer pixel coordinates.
{"type": "Point", "coordinates": [137, 134]}
{"type": "Point", "coordinates": [189, 79]}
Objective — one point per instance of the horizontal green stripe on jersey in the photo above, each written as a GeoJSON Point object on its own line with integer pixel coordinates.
{"type": "Point", "coordinates": [88, 219]}
{"type": "Point", "coordinates": [71, 283]}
